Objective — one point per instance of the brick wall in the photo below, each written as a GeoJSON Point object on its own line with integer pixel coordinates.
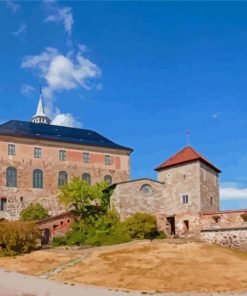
{"type": "Point", "coordinates": [49, 163]}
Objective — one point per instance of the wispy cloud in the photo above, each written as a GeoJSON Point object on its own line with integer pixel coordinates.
{"type": "Point", "coordinates": [62, 73]}
{"type": "Point", "coordinates": [12, 5]}
{"type": "Point", "coordinates": [27, 90]}
{"type": "Point", "coordinates": [21, 30]}
{"type": "Point", "coordinates": [62, 15]}
{"type": "Point", "coordinates": [232, 191]}
{"type": "Point", "coordinates": [215, 115]}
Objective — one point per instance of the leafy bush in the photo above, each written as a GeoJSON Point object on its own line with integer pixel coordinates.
{"type": "Point", "coordinates": [33, 212]}
{"type": "Point", "coordinates": [59, 241]}
{"type": "Point", "coordinates": [107, 229]}
{"type": "Point", "coordinates": [141, 226]}
{"type": "Point", "coordinates": [18, 237]}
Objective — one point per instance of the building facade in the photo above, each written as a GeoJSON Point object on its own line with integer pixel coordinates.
{"type": "Point", "coordinates": [187, 185]}
{"type": "Point", "coordinates": [37, 158]}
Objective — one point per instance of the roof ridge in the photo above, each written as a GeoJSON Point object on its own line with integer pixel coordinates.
{"type": "Point", "coordinates": [187, 154]}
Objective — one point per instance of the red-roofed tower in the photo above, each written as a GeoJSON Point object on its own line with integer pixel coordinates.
{"type": "Point", "coordinates": [191, 184]}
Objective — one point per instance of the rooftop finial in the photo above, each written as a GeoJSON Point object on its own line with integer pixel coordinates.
{"type": "Point", "coordinates": [188, 134]}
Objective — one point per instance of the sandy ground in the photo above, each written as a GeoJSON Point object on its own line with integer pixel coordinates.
{"type": "Point", "coordinates": [163, 267]}
{"type": "Point", "coordinates": [148, 267]}
{"type": "Point", "coordinates": [35, 263]}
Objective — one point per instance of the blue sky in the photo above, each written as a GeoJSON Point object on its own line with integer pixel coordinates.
{"type": "Point", "coordinates": [140, 73]}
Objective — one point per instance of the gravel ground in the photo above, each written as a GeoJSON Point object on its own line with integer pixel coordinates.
{"type": "Point", "coordinates": [15, 284]}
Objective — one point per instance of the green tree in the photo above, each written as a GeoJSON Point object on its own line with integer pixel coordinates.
{"type": "Point", "coordinates": [86, 200]}
{"type": "Point", "coordinates": [33, 212]}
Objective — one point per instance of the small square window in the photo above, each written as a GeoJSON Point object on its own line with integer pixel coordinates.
{"type": "Point", "coordinates": [11, 149]}
{"type": "Point", "coordinates": [211, 200]}
{"type": "Point", "coordinates": [37, 152]}
{"type": "Point", "coordinates": [107, 159]}
{"type": "Point", "coordinates": [62, 155]}
{"type": "Point", "coordinates": [86, 157]}
{"type": "Point", "coordinates": [185, 199]}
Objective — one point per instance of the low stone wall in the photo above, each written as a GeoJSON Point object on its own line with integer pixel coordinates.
{"type": "Point", "coordinates": [230, 237]}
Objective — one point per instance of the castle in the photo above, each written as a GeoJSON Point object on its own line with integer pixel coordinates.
{"type": "Point", "coordinates": [38, 157]}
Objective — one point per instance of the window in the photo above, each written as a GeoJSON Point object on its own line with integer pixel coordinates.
{"type": "Point", "coordinates": [38, 178]}
{"type": "Point", "coordinates": [37, 152]}
{"type": "Point", "coordinates": [186, 226]}
{"type": "Point", "coordinates": [11, 149]}
{"type": "Point", "coordinates": [216, 219]}
{"type": "Point", "coordinates": [62, 155]}
{"type": "Point", "coordinates": [211, 200]}
{"type": "Point", "coordinates": [107, 159]}
{"type": "Point", "coordinates": [11, 177]}
{"type": "Point", "coordinates": [146, 189]}
{"type": "Point", "coordinates": [86, 177]}
{"type": "Point", "coordinates": [3, 204]}
{"type": "Point", "coordinates": [185, 199]}
{"type": "Point", "coordinates": [86, 157]}
{"type": "Point", "coordinates": [108, 179]}
{"type": "Point", "coordinates": [62, 178]}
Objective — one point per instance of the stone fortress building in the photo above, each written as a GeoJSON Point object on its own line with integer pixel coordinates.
{"type": "Point", "coordinates": [38, 157]}
{"type": "Point", "coordinates": [185, 199]}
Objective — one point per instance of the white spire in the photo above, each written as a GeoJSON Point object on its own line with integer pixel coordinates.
{"type": "Point", "coordinates": [40, 109]}
{"type": "Point", "coordinates": [40, 116]}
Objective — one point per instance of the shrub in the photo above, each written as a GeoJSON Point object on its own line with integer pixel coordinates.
{"type": "Point", "coordinates": [141, 226]}
{"type": "Point", "coordinates": [107, 229]}
{"type": "Point", "coordinates": [18, 237]}
{"type": "Point", "coordinates": [59, 241]}
{"type": "Point", "coordinates": [33, 212]}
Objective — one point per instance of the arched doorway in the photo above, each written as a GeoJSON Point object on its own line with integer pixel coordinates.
{"type": "Point", "coordinates": [45, 236]}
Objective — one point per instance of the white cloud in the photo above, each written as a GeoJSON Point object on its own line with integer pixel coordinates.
{"type": "Point", "coordinates": [231, 191]}
{"type": "Point", "coordinates": [21, 30]}
{"type": "Point", "coordinates": [27, 90]}
{"type": "Point", "coordinates": [64, 16]}
{"type": "Point", "coordinates": [83, 47]}
{"type": "Point", "coordinates": [62, 72]}
{"type": "Point", "coordinates": [12, 5]}
{"type": "Point", "coordinates": [66, 119]}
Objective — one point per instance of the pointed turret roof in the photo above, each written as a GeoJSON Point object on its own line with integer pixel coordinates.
{"type": "Point", "coordinates": [40, 116]}
{"type": "Point", "coordinates": [186, 155]}
{"type": "Point", "coordinates": [40, 109]}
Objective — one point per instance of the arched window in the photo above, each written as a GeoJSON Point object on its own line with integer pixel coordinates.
{"type": "Point", "coordinates": [38, 178]}
{"type": "Point", "coordinates": [86, 177]}
{"type": "Point", "coordinates": [146, 189]}
{"type": "Point", "coordinates": [108, 179]}
{"type": "Point", "coordinates": [11, 177]}
{"type": "Point", "coordinates": [62, 178]}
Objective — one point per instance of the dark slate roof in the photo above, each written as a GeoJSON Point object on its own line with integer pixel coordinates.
{"type": "Point", "coordinates": [42, 131]}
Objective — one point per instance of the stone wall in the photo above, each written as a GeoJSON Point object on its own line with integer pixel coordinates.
{"type": "Point", "coordinates": [223, 219]}
{"type": "Point", "coordinates": [181, 180]}
{"type": "Point", "coordinates": [227, 228]}
{"type": "Point", "coordinates": [128, 198]}
{"type": "Point", "coordinates": [233, 238]}
{"type": "Point", "coordinates": [24, 161]}
{"type": "Point", "coordinates": [209, 189]}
